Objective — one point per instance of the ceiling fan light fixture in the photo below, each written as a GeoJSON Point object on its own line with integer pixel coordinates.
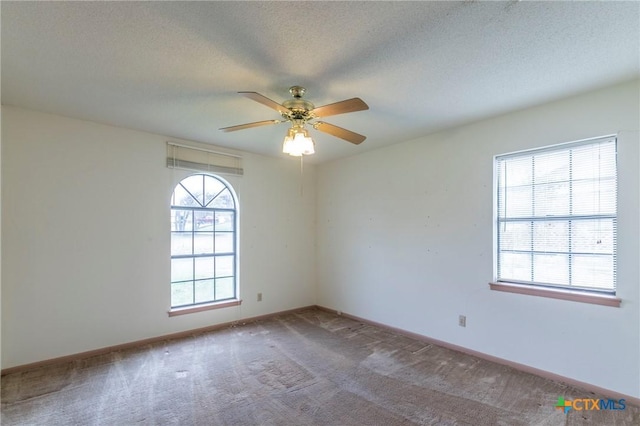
{"type": "Point", "coordinates": [297, 142]}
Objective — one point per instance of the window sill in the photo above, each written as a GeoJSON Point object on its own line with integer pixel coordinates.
{"type": "Point", "coordinates": [201, 308]}
{"type": "Point", "coordinates": [575, 296]}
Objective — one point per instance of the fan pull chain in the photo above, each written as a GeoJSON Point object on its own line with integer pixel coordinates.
{"type": "Point", "coordinates": [302, 175]}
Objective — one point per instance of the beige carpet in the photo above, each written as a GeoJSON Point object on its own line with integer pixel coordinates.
{"type": "Point", "coordinates": [307, 368]}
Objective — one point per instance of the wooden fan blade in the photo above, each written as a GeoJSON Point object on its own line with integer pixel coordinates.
{"type": "Point", "coordinates": [264, 101]}
{"type": "Point", "coordinates": [249, 125]}
{"type": "Point", "coordinates": [339, 132]}
{"type": "Point", "coordinates": [350, 105]}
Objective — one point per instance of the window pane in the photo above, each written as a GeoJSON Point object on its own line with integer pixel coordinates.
{"type": "Point", "coordinates": [515, 236]}
{"type": "Point", "coordinates": [204, 267]}
{"type": "Point", "coordinates": [515, 266]}
{"type": "Point", "coordinates": [194, 185]}
{"type": "Point", "coordinates": [551, 167]}
{"type": "Point", "coordinates": [205, 291]}
{"type": "Point", "coordinates": [213, 187]}
{"type": "Point", "coordinates": [181, 269]}
{"type": "Point", "coordinates": [593, 162]}
{"type": "Point", "coordinates": [551, 236]}
{"type": "Point", "coordinates": [203, 242]}
{"type": "Point", "coordinates": [592, 271]}
{"type": "Point", "coordinates": [224, 221]}
{"type": "Point", "coordinates": [551, 268]}
{"type": "Point", "coordinates": [551, 199]}
{"type": "Point", "coordinates": [223, 201]}
{"type": "Point", "coordinates": [204, 220]}
{"type": "Point", "coordinates": [224, 242]}
{"type": "Point", "coordinates": [518, 171]}
{"type": "Point", "coordinates": [592, 236]}
{"type": "Point", "coordinates": [225, 288]}
{"type": "Point", "coordinates": [181, 243]}
{"type": "Point", "coordinates": [183, 197]}
{"type": "Point", "coordinates": [594, 197]}
{"type": "Point", "coordinates": [224, 266]}
{"type": "Point", "coordinates": [517, 202]}
{"type": "Point", "coordinates": [179, 219]}
{"type": "Point", "coordinates": [181, 293]}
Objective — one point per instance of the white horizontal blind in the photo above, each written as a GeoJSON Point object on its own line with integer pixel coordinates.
{"type": "Point", "coordinates": [203, 160]}
{"type": "Point", "coordinates": [557, 216]}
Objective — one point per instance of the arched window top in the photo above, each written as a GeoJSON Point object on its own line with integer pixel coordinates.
{"type": "Point", "coordinates": [201, 190]}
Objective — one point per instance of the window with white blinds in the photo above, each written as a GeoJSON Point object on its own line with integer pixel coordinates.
{"type": "Point", "coordinates": [557, 216]}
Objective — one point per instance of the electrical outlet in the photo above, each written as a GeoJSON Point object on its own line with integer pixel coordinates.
{"type": "Point", "coordinates": [259, 297]}
{"type": "Point", "coordinates": [462, 321]}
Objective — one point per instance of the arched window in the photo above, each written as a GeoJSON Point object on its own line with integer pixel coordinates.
{"type": "Point", "coordinates": [203, 241]}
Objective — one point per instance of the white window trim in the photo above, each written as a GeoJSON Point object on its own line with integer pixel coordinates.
{"type": "Point", "coordinates": [206, 307]}
{"type": "Point", "coordinates": [557, 293]}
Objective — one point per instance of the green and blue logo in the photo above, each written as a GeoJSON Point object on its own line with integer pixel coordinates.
{"type": "Point", "coordinates": [589, 404]}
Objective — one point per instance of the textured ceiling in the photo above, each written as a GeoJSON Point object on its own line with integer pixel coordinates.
{"type": "Point", "coordinates": [174, 67]}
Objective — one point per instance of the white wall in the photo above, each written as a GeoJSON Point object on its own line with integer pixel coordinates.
{"type": "Point", "coordinates": [85, 232]}
{"type": "Point", "coordinates": [405, 239]}
{"type": "Point", "coordinates": [0, 238]}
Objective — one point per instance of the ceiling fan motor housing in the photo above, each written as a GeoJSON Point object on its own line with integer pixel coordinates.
{"type": "Point", "coordinates": [299, 109]}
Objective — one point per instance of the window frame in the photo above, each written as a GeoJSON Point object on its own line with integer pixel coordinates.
{"type": "Point", "coordinates": [213, 211]}
{"type": "Point", "coordinates": [598, 295]}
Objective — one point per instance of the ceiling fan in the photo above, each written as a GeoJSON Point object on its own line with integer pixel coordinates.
{"type": "Point", "coordinates": [300, 112]}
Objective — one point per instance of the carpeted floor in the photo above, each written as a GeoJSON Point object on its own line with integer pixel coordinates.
{"type": "Point", "coordinates": [306, 368]}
